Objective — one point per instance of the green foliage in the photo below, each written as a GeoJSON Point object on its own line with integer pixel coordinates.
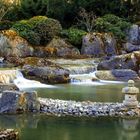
{"type": "Point", "coordinates": [4, 25]}
{"type": "Point", "coordinates": [22, 26]}
{"type": "Point", "coordinates": [25, 30]}
{"type": "Point", "coordinates": [47, 29]}
{"type": "Point", "coordinates": [112, 23]}
{"type": "Point", "coordinates": [30, 8]}
{"type": "Point", "coordinates": [31, 37]}
{"type": "Point", "coordinates": [36, 19]}
{"type": "Point", "coordinates": [38, 30]}
{"type": "Point", "coordinates": [74, 35]}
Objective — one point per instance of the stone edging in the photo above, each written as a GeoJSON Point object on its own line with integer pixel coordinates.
{"type": "Point", "coordinates": [89, 109]}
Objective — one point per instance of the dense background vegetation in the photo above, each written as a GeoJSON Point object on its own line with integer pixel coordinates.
{"type": "Point", "coordinates": [76, 17]}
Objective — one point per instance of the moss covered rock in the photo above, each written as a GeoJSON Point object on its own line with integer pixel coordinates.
{"type": "Point", "coordinates": [60, 47]}
{"type": "Point", "coordinates": [12, 45]}
{"type": "Point", "coordinates": [98, 45]}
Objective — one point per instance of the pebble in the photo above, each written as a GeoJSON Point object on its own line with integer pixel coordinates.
{"type": "Point", "coordinates": [91, 109]}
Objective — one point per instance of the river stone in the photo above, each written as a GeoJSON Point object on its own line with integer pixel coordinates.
{"type": "Point", "coordinates": [119, 75]}
{"type": "Point", "coordinates": [134, 35]}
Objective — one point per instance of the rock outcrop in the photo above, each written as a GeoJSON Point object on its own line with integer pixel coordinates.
{"type": "Point", "coordinates": [60, 48]}
{"type": "Point", "coordinates": [99, 45]}
{"type": "Point", "coordinates": [132, 39]}
{"type": "Point", "coordinates": [134, 35]}
{"type": "Point", "coordinates": [126, 61]}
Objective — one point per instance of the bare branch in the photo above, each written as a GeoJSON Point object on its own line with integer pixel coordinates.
{"type": "Point", "coordinates": [87, 19]}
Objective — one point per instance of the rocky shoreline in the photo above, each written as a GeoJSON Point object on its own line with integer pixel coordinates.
{"type": "Point", "coordinates": [86, 109]}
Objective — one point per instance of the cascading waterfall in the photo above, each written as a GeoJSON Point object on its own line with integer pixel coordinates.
{"type": "Point", "coordinates": [90, 79]}
{"type": "Point", "coordinates": [24, 84]}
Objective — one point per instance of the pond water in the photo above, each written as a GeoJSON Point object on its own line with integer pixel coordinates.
{"type": "Point", "coordinates": [40, 127]}
{"type": "Point", "coordinates": [84, 92]}
{"type": "Point", "coordinates": [36, 127]}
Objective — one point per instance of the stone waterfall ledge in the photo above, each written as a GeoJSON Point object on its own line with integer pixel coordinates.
{"type": "Point", "coordinates": [8, 134]}
{"type": "Point", "coordinates": [86, 109]}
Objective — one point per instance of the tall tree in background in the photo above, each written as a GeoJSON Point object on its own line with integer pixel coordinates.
{"type": "Point", "coordinates": [30, 8]}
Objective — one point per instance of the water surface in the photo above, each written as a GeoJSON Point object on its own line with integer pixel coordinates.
{"type": "Point", "coordinates": [83, 92]}
{"type": "Point", "coordinates": [36, 127]}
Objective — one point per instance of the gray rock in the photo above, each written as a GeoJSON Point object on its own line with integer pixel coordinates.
{"type": "Point", "coordinates": [60, 47]}
{"type": "Point", "coordinates": [4, 87]}
{"type": "Point", "coordinates": [120, 75]}
{"type": "Point", "coordinates": [99, 45]}
{"type": "Point", "coordinates": [15, 101]}
{"type": "Point", "coordinates": [9, 102]}
{"type": "Point", "coordinates": [12, 45]}
{"type": "Point", "coordinates": [125, 61]}
{"type": "Point", "coordinates": [128, 47]}
{"type": "Point", "coordinates": [47, 74]}
{"type": "Point", "coordinates": [134, 35]}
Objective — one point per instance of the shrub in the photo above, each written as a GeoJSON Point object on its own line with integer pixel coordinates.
{"type": "Point", "coordinates": [21, 26]}
{"type": "Point", "coordinates": [47, 29]}
{"type": "Point", "coordinates": [24, 29]}
{"type": "Point", "coordinates": [31, 36]}
{"type": "Point", "coordinates": [74, 35]}
{"type": "Point", "coordinates": [4, 25]}
{"type": "Point", "coordinates": [36, 19]}
{"type": "Point", "coordinates": [38, 30]}
{"type": "Point", "coordinates": [114, 24]}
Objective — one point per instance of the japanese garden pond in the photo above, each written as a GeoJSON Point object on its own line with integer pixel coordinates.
{"type": "Point", "coordinates": [41, 127]}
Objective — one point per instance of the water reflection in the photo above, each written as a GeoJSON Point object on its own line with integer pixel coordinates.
{"type": "Point", "coordinates": [129, 129]}
{"type": "Point", "coordinates": [36, 127]}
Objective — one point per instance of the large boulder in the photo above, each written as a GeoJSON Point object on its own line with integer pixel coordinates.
{"type": "Point", "coordinates": [47, 74]}
{"type": "Point", "coordinates": [98, 45]}
{"type": "Point", "coordinates": [12, 45]}
{"type": "Point", "coordinates": [119, 75]}
{"type": "Point", "coordinates": [14, 101]}
{"type": "Point", "coordinates": [127, 61]}
{"type": "Point", "coordinates": [60, 47]}
{"type": "Point", "coordinates": [134, 35]}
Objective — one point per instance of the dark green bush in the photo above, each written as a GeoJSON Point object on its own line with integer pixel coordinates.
{"type": "Point", "coordinates": [47, 29]}
{"type": "Point", "coordinates": [114, 24]}
{"type": "Point", "coordinates": [4, 25]}
{"type": "Point", "coordinates": [38, 30]}
{"type": "Point", "coordinates": [21, 26]}
{"type": "Point", "coordinates": [25, 30]}
{"type": "Point", "coordinates": [74, 35]}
